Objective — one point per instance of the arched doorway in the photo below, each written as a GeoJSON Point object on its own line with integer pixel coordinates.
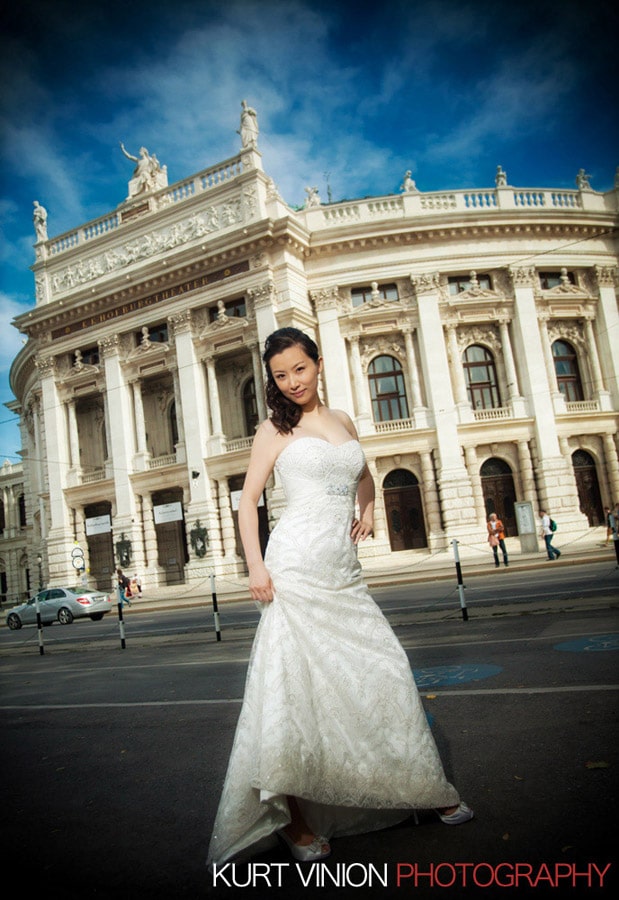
{"type": "Point", "coordinates": [588, 487]}
{"type": "Point", "coordinates": [497, 484]}
{"type": "Point", "coordinates": [404, 511]}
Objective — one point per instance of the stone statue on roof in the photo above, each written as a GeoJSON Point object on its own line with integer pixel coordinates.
{"type": "Point", "coordinates": [148, 175]}
{"type": "Point", "coordinates": [249, 126]}
{"type": "Point", "coordinates": [39, 217]}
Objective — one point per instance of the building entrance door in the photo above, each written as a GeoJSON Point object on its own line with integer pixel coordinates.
{"type": "Point", "coordinates": [98, 518]}
{"type": "Point", "coordinates": [172, 553]}
{"type": "Point", "coordinates": [588, 487]}
{"type": "Point", "coordinates": [497, 484]}
{"type": "Point", "coordinates": [404, 511]}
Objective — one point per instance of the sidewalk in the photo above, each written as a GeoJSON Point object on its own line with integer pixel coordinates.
{"type": "Point", "coordinates": [407, 567]}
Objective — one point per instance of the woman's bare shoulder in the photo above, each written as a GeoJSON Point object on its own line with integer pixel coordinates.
{"type": "Point", "coordinates": [345, 419]}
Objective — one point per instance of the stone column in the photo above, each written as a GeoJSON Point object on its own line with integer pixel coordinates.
{"type": "Point", "coordinates": [551, 372]}
{"type": "Point", "coordinates": [380, 522]}
{"type": "Point", "coordinates": [333, 348]}
{"type": "Point", "coordinates": [74, 442]}
{"type": "Point", "coordinates": [472, 465]}
{"type": "Point", "coordinates": [419, 411]}
{"type": "Point", "coordinates": [612, 466]}
{"type": "Point", "coordinates": [363, 418]}
{"type": "Point", "coordinates": [256, 362]}
{"type": "Point", "coordinates": [527, 477]}
{"type": "Point", "coordinates": [151, 556]}
{"type": "Point", "coordinates": [120, 444]}
{"type": "Point", "coordinates": [431, 502]}
{"type": "Point", "coordinates": [607, 321]}
{"type": "Point", "coordinates": [532, 346]}
{"type": "Point", "coordinates": [454, 484]}
{"type": "Point", "coordinates": [181, 455]}
{"type": "Point", "coordinates": [462, 398]}
{"type": "Point", "coordinates": [59, 537]}
{"type": "Point", "coordinates": [140, 426]}
{"type": "Point", "coordinates": [228, 534]}
{"type": "Point", "coordinates": [217, 440]}
{"type": "Point", "coordinates": [513, 390]}
{"type": "Point", "coordinates": [201, 503]}
{"type": "Point", "coordinates": [603, 396]}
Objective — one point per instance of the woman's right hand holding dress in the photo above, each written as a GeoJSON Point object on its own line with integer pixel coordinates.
{"type": "Point", "coordinates": [260, 584]}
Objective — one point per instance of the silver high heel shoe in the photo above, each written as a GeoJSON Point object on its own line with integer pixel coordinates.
{"type": "Point", "coordinates": [307, 852]}
{"type": "Point", "coordinates": [461, 815]}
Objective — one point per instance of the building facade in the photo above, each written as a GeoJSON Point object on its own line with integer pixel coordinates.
{"type": "Point", "coordinates": [17, 575]}
{"type": "Point", "coordinates": [471, 335]}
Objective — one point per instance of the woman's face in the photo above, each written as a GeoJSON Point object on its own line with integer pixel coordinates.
{"type": "Point", "coordinates": [296, 375]}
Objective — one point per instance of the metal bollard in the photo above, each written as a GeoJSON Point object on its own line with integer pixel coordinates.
{"type": "Point", "coordinates": [39, 625]}
{"type": "Point", "coordinates": [121, 623]}
{"type": "Point", "coordinates": [465, 614]}
{"type": "Point", "coordinates": [215, 610]}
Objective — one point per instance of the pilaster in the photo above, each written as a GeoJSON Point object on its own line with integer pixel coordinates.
{"type": "Point", "coordinates": [454, 484]}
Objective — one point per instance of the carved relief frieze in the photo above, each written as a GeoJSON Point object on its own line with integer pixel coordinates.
{"type": "Point", "coordinates": [567, 331]}
{"type": "Point", "coordinates": [523, 276]}
{"type": "Point", "coordinates": [425, 283]}
{"type": "Point", "coordinates": [387, 345]}
{"type": "Point", "coordinates": [109, 346]}
{"type": "Point", "coordinates": [264, 296]}
{"type": "Point", "coordinates": [478, 334]}
{"type": "Point", "coordinates": [327, 298]}
{"type": "Point", "coordinates": [606, 276]}
{"type": "Point", "coordinates": [46, 365]}
{"type": "Point", "coordinates": [232, 212]}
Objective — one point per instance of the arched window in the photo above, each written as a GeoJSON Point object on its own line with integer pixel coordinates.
{"type": "Point", "coordinates": [481, 380]}
{"type": "Point", "coordinates": [387, 389]}
{"type": "Point", "coordinates": [567, 371]}
{"type": "Point", "coordinates": [250, 407]}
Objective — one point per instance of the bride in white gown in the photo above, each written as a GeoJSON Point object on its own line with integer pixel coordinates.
{"type": "Point", "coordinates": [332, 738]}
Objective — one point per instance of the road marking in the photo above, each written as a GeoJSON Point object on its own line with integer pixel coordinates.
{"type": "Point", "coordinates": [566, 689]}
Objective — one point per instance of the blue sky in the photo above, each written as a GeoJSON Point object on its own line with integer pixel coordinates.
{"type": "Point", "coordinates": [361, 91]}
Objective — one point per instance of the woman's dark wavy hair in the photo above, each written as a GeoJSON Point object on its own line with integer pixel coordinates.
{"type": "Point", "coordinates": [285, 413]}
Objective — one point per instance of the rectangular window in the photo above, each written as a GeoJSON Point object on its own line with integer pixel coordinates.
{"type": "Point", "coordinates": [554, 279]}
{"type": "Point", "coordinates": [90, 356]}
{"type": "Point", "coordinates": [362, 295]}
{"type": "Point", "coordinates": [158, 334]}
{"type": "Point", "coordinates": [234, 309]}
{"type": "Point", "coordinates": [459, 283]}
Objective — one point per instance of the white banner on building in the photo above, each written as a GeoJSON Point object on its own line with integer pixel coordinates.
{"type": "Point", "coordinates": [98, 525]}
{"type": "Point", "coordinates": [168, 512]}
{"type": "Point", "coordinates": [235, 496]}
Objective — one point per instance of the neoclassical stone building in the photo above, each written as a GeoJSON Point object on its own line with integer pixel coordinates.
{"type": "Point", "coordinates": [471, 335]}
{"type": "Point", "coordinates": [17, 577]}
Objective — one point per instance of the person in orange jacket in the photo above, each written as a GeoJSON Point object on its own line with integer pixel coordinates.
{"type": "Point", "coordinates": [496, 538]}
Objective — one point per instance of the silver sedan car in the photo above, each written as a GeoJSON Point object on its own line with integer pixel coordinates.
{"type": "Point", "coordinates": [61, 605]}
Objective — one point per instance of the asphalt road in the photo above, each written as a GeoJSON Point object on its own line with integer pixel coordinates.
{"type": "Point", "coordinates": [564, 587]}
{"type": "Point", "coordinates": [113, 760]}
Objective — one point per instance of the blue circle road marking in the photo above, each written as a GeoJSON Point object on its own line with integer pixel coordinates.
{"type": "Point", "coordinates": [593, 644]}
{"type": "Point", "coordinates": [443, 675]}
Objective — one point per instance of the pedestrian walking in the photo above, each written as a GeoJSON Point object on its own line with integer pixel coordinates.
{"type": "Point", "coordinates": [496, 539]}
{"type": "Point", "coordinates": [125, 588]}
{"type": "Point", "coordinates": [548, 533]}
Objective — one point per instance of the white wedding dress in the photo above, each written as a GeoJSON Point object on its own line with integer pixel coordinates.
{"type": "Point", "coordinates": [331, 713]}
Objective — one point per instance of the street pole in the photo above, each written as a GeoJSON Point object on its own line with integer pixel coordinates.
{"type": "Point", "coordinates": [465, 614]}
